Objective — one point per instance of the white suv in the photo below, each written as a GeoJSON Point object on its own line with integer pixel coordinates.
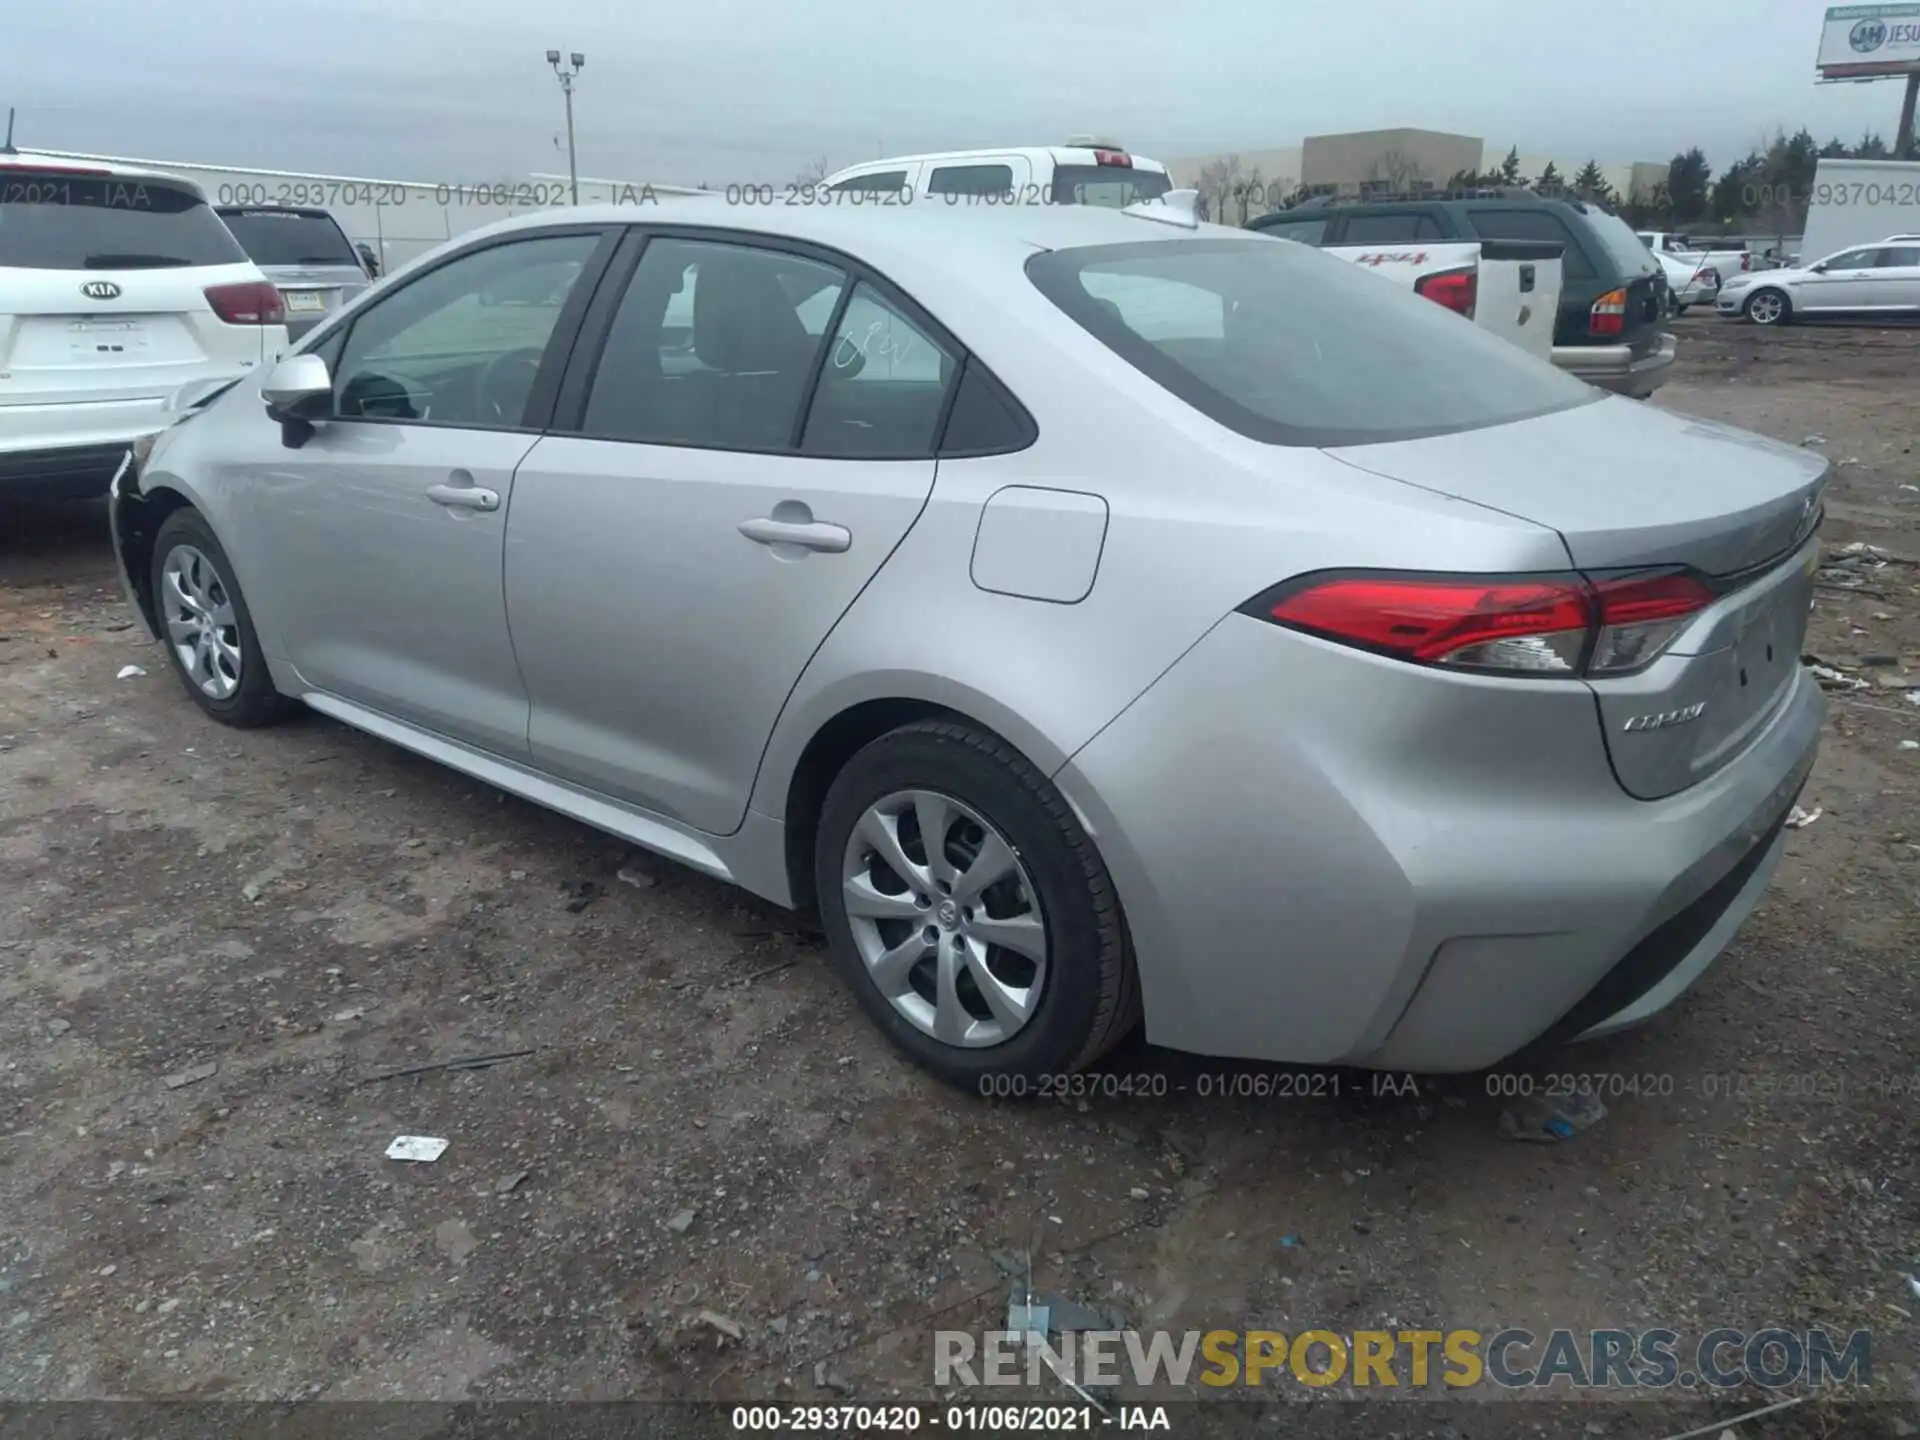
{"type": "Point", "coordinates": [1084, 171]}
{"type": "Point", "coordinates": [118, 288]}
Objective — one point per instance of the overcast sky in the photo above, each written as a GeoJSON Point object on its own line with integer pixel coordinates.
{"type": "Point", "coordinates": [719, 91]}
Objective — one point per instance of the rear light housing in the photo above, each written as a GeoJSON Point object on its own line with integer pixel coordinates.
{"type": "Point", "coordinates": [249, 302]}
{"type": "Point", "coordinates": [1746, 261]}
{"type": "Point", "coordinates": [38, 168]}
{"type": "Point", "coordinates": [1609, 313]}
{"type": "Point", "coordinates": [1458, 290]}
{"type": "Point", "coordinates": [1567, 626]}
{"type": "Point", "coordinates": [1113, 157]}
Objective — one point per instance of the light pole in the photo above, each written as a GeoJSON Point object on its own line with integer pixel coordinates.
{"type": "Point", "coordinates": [577, 61]}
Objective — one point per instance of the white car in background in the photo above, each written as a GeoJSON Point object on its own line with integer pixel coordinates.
{"type": "Point", "coordinates": [1864, 280]}
{"type": "Point", "coordinates": [1725, 264]}
{"type": "Point", "coordinates": [119, 289]}
{"type": "Point", "coordinates": [1084, 171]}
{"type": "Point", "coordinates": [1690, 280]}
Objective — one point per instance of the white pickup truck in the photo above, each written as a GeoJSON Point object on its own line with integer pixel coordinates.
{"type": "Point", "coordinates": [1725, 264]}
{"type": "Point", "coordinates": [1509, 287]}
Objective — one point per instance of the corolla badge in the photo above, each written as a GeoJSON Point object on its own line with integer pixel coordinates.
{"type": "Point", "coordinates": [1667, 718]}
{"type": "Point", "coordinates": [100, 290]}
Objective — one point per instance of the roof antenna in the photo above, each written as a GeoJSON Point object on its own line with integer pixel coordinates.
{"type": "Point", "coordinates": [6, 146]}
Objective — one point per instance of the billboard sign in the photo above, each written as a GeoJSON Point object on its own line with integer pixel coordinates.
{"type": "Point", "coordinates": [1863, 42]}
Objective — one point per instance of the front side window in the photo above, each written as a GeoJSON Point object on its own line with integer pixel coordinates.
{"type": "Point", "coordinates": [461, 345]}
{"type": "Point", "coordinates": [883, 182]}
{"type": "Point", "coordinates": [1292, 347]}
{"type": "Point", "coordinates": [713, 345]}
{"type": "Point", "coordinates": [883, 386]}
{"type": "Point", "coordinates": [1852, 260]}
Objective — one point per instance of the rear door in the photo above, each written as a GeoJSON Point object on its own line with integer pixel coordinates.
{"type": "Point", "coordinates": [103, 290]}
{"type": "Point", "coordinates": [701, 516]}
{"type": "Point", "coordinates": [1895, 280]}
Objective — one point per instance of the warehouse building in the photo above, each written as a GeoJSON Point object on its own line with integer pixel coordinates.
{"type": "Point", "coordinates": [1396, 160]}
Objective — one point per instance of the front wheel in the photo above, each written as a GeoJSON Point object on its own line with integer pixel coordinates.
{"type": "Point", "coordinates": [969, 910]}
{"type": "Point", "coordinates": [206, 628]}
{"type": "Point", "coordinates": [1768, 307]}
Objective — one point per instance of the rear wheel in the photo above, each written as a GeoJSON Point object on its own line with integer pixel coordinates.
{"type": "Point", "coordinates": [1680, 310]}
{"type": "Point", "coordinates": [1768, 307]}
{"type": "Point", "coordinates": [969, 910]}
{"type": "Point", "coordinates": [206, 629]}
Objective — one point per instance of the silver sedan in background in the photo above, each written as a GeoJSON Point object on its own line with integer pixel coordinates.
{"type": "Point", "coordinates": [1092, 614]}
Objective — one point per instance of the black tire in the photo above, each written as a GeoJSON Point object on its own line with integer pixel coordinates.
{"type": "Point", "coordinates": [1786, 306]}
{"type": "Point", "coordinates": [254, 702]}
{"type": "Point", "coordinates": [1089, 999]}
{"type": "Point", "coordinates": [1680, 310]}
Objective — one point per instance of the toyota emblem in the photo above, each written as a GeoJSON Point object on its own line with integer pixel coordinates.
{"type": "Point", "coordinates": [100, 290]}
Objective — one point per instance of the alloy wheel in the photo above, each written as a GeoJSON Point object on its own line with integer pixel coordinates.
{"type": "Point", "coordinates": [201, 623]}
{"type": "Point", "coordinates": [945, 918]}
{"type": "Point", "coordinates": [1765, 308]}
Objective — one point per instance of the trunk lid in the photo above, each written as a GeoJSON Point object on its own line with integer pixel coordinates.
{"type": "Point", "coordinates": [1629, 487]}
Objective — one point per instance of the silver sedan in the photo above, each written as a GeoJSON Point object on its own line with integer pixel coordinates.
{"type": "Point", "coordinates": [1093, 615]}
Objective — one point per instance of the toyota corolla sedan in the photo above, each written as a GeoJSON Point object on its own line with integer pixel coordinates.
{"type": "Point", "coordinates": [1093, 615]}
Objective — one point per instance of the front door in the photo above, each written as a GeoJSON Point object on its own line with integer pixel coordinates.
{"type": "Point", "coordinates": [1841, 283]}
{"type": "Point", "coordinates": [389, 522]}
{"type": "Point", "coordinates": [674, 562]}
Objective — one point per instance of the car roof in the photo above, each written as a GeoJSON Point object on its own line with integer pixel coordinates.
{"type": "Point", "coordinates": [1056, 154]}
{"type": "Point", "coordinates": [312, 212]}
{"type": "Point", "coordinates": [922, 230]}
{"type": "Point", "coordinates": [101, 169]}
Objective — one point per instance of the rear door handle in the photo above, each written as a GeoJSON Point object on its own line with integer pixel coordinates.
{"type": "Point", "coordinates": [464, 497]}
{"type": "Point", "coordinates": [808, 534]}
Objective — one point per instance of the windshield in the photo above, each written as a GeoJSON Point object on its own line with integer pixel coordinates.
{"type": "Point", "coordinates": [55, 221]}
{"type": "Point", "coordinates": [1290, 346]}
{"type": "Point", "coordinates": [1112, 187]}
{"type": "Point", "coordinates": [1625, 248]}
{"type": "Point", "coordinates": [290, 237]}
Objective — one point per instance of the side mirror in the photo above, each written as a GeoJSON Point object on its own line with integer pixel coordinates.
{"type": "Point", "coordinates": [298, 388]}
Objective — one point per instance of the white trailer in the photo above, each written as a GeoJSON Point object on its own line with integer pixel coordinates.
{"type": "Point", "coordinates": [1858, 201]}
{"type": "Point", "coordinates": [398, 219]}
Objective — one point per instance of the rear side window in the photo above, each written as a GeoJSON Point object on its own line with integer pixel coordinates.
{"type": "Point", "coordinates": [1622, 245]}
{"type": "Point", "coordinates": [53, 221]}
{"type": "Point", "coordinates": [885, 182]}
{"type": "Point", "coordinates": [1291, 347]}
{"type": "Point", "coordinates": [971, 180]}
{"type": "Point", "coordinates": [984, 420]}
{"type": "Point", "coordinates": [1904, 258]}
{"type": "Point", "coordinates": [1307, 232]}
{"type": "Point", "coordinates": [1112, 187]}
{"type": "Point", "coordinates": [1389, 229]}
{"type": "Point", "coordinates": [1540, 224]}
{"type": "Point", "coordinates": [290, 237]}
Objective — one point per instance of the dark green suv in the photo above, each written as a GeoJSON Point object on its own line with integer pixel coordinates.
{"type": "Point", "coordinates": [1613, 293]}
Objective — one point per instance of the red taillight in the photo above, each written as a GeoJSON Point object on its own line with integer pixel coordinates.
{"type": "Point", "coordinates": [39, 169]}
{"type": "Point", "coordinates": [1640, 616]}
{"type": "Point", "coordinates": [1456, 289]}
{"type": "Point", "coordinates": [1609, 314]}
{"type": "Point", "coordinates": [1746, 261]}
{"type": "Point", "coordinates": [1556, 625]}
{"type": "Point", "coordinates": [1113, 157]}
{"type": "Point", "coordinates": [250, 302]}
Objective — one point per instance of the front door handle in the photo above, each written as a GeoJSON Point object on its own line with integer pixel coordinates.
{"type": "Point", "coordinates": [464, 497]}
{"type": "Point", "coordinates": [808, 534]}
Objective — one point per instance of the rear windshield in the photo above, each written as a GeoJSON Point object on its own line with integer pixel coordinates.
{"type": "Point", "coordinates": [1290, 346]}
{"type": "Point", "coordinates": [51, 221]}
{"type": "Point", "coordinates": [1113, 187]}
{"type": "Point", "coordinates": [1624, 248]}
{"type": "Point", "coordinates": [287, 237]}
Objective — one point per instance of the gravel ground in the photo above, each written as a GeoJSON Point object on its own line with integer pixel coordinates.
{"type": "Point", "coordinates": [212, 942]}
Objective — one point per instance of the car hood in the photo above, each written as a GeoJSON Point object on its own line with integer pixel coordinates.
{"type": "Point", "coordinates": [1624, 483]}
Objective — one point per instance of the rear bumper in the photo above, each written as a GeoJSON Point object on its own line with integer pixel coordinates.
{"type": "Point", "coordinates": [1328, 858]}
{"type": "Point", "coordinates": [1620, 368]}
{"type": "Point", "coordinates": [74, 472]}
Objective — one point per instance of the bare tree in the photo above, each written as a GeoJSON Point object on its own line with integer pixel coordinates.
{"type": "Point", "coordinates": [1249, 196]}
{"type": "Point", "coordinates": [813, 172]}
{"type": "Point", "coordinates": [1395, 171]}
{"type": "Point", "coordinates": [1216, 184]}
